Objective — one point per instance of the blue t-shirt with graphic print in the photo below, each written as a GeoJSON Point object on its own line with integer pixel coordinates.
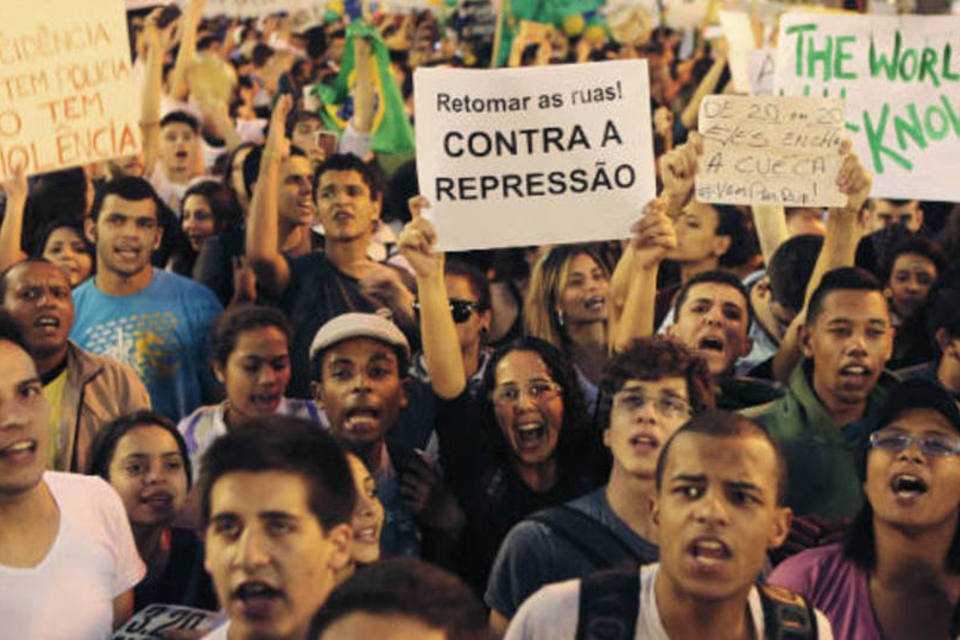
{"type": "Point", "coordinates": [162, 332]}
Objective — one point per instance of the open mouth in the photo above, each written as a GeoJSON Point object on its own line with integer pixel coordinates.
{"type": "Point", "coordinates": [180, 155]}
{"type": "Point", "coordinates": [645, 442]}
{"type": "Point", "coordinates": [906, 485]}
{"type": "Point", "coordinates": [127, 253]}
{"type": "Point", "coordinates": [711, 343]}
{"type": "Point", "coordinates": [265, 403]}
{"type": "Point", "coordinates": [256, 599]}
{"type": "Point", "coordinates": [47, 322]}
{"type": "Point", "coordinates": [160, 500]}
{"type": "Point", "coordinates": [19, 450]}
{"type": "Point", "coordinates": [531, 434]}
{"type": "Point", "coordinates": [362, 418]}
{"type": "Point", "coordinates": [709, 551]}
{"type": "Point", "coordinates": [369, 535]}
{"type": "Point", "coordinates": [855, 373]}
{"type": "Point", "coordinates": [595, 303]}
{"type": "Point", "coordinates": [342, 217]}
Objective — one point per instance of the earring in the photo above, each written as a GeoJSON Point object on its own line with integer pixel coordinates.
{"type": "Point", "coordinates": [560, 317]}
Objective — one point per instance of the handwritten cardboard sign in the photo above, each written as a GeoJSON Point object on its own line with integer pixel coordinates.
{"type": "Point", "coordinates": [899, 77]}
{"type": "Point", "coordinates": [770, 150]}
{"type": "Point", "coordinates": [162, 620]}
{"type": "Point", "coordinates": [67, 95]}
{"type": "Point", "coordinates": [514, 157]}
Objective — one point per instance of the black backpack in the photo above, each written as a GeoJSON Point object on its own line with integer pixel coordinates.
{"type": "Point", "coordinates": [610, 604]}
{"type": "Point", "coordinates": [597, 542]}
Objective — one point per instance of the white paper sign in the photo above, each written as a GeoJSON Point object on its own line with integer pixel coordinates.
{"type": "Point", "coordinates": [67, 94]}
{"type": "Point", "coordinates": [537, 155]}
{"type": "Point", "coordinates": [770, 150]}
{"type": "Point", "coordinates": [900, 80]}
{"type": "Point", "coordinates": [739, 33]}
{"type": "Point", "coordinates": [158, 620]}
{"type": "Point", "coordinates": [761, 68]}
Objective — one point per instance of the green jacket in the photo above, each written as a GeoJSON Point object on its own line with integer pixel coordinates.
{"type": "Point", "coordinates": [823, 461]}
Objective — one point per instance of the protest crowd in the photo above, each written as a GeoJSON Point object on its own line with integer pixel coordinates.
{"type": "Point", "coordinates": [308, 355]}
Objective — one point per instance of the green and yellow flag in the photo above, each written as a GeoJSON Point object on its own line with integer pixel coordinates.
{"type": "Point", "coordinates": [391, 131]}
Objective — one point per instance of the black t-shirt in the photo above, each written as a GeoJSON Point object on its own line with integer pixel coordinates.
{"type": "Point", "coordinates": [316, 293]}
{"type": "Point", "coordinates": [184, 582]}
{"type": "Point", "coordinates": [492, 495]}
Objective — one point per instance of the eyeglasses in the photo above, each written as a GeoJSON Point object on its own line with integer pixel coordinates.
{"type": "Point", "coordinates": [666, 406]}
{"type": "Point", "coordinates": [539, 391]}
{"type": "Point", "coordinates": [460, 309]}
{"type": "Point", "coordinates": [931, 444]}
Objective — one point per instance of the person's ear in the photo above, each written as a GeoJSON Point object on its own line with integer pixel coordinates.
{"type": "Point", "coordinates": [654, 512]}
{"type": "Point", "coordinates": [316, 388]}
{"type": "Point", "coordinates": [341, 540]}
{"type": "Point", "coordinates": [780, 527]}
{"type": "Point", "coordinates": [721, 244]}
{"type": "Point", "coordinates": [159, 238]}
{"type": "Point", "coordinates": [805, 340]}
{"type": "Point", "coordinates": [90, 230]}
{"type": "Point", "coordinates": [404, 391]}
{"type": "Point", "coordinates": [918, 215]}
{"type": "Point", "coordinates": [606, 437]}
{"type": "Point", "coordinates": [218, 371]}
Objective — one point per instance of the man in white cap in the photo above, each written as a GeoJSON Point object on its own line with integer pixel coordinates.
{"type": "Point", "coordinates": [358, 372]}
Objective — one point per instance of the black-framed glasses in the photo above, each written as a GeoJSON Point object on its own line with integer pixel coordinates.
{"type": "Point", "coordinates": [460, 309]}
{"type": "Point", "coordinates": [931, 444]}
{"type": "Point", "coordinates": [666, 405]}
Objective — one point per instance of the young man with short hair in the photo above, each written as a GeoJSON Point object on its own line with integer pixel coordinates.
{"type": "Point", "coordinates": [85, 390]}
{"type": "Point", "coordinates": [720, 483]}
{"type": "Point", "coordinates": [647, 392]}
{"type": "Point", "coordinates": [316, 287]}
{"type": "Point", "coordinates": [822, 423]}
{"type": "Point", "coordinates": [156, 322]}
{"type": "Point", "coordinates": [401, 599]}
{"type": "Point", "coordinates": [359, 365]}
{"type": "Point", "coordinates": [68, 562]}
{"type": "Point", "coordinates": [277, 501]}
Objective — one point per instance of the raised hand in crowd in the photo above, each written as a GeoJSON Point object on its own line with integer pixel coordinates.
{"type": "Point", "coordinates": [440, 344]}
{"type": "Point", "coordinates": [16, 189]}
{"type": "Point", "coordinates": [678, 168]}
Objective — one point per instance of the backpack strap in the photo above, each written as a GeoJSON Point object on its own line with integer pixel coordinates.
{"type": "Point", "coordinates": [786, 615]}
{"type": "Point", "coordinates": [596, 541]}
{"type": "Point", "coordinates": [609, 605]}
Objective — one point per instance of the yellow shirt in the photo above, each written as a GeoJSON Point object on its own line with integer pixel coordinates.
{"type": "Point", "coordinates": [53, 390]}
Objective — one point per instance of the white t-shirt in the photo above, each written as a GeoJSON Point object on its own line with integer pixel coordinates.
{"type": "Point", "coordinates": [70, 593]}
{"type": "Point", "coordinates": [551, 613]}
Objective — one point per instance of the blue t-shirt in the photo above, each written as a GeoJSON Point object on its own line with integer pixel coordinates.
{"type": "Point", "coordinates": [162, 332]}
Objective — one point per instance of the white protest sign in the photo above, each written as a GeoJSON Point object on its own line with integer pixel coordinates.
{"type": "Point", "coordinates": [158, 620]}
{"type": "Point", "coordinates": [770, 150]}
{"type": "Point", "coordinates": [761, 68]}
{"type": "Point", "coordinates": [900, 80]}
{"type": "Point", "coordinates": [537, 155]}
{"type": "Point", "coordinates": [67, 95]}
{"type": "Point", "coordinates": [739, 33]}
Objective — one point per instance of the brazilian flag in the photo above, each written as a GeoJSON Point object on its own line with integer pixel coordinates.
{"type": "Point", "coordinates": [391, 132]}
{"type": "Point", "coordinates": [545, 11]}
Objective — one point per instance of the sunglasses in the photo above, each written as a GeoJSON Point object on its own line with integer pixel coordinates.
{"type": "Point", "coordinates": [460, 309]}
